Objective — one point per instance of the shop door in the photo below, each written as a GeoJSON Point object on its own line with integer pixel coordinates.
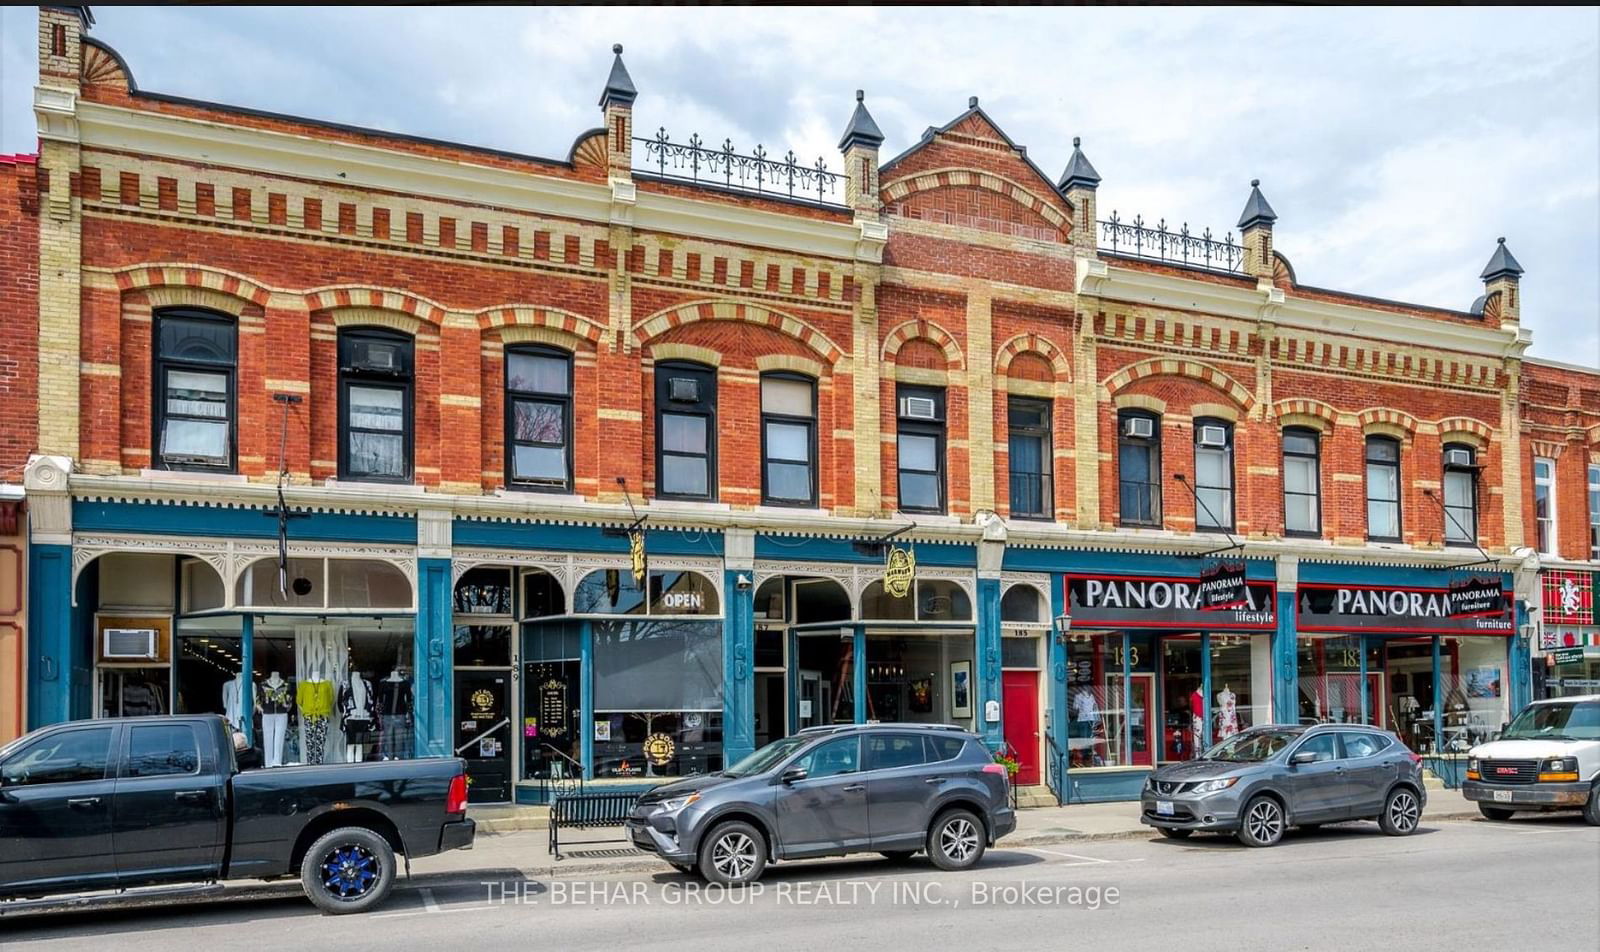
{"type": "Point", "coordinates": [1020, 692]}
{"type": "Point", "coordinates": [1142, 717]}
{"type": "Point", "coordinates": [483, 733]}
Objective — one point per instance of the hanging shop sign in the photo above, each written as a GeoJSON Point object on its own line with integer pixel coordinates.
{"type": "Point", "coordinates": [1567, 655]}
{"type": "Point", "coordinates": [1476, 597]}
{"type": "Point", "coordinates": [1144, 601]}
{"type": "Point", "coordinates": [638, 560]}
{"type": "Point", "coordinates": [1223, 587]}
{"type": "Point", "coordinates": [1397, 608]}
{"type": "Point", "coordinates": [899, 571]}
{"type": "Point", "coordinates": [1568, 597]}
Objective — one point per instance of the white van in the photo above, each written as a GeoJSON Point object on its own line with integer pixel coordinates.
{"type": "Point", "coordinates": [1547, 759]}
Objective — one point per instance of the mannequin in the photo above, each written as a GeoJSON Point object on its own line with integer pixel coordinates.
{"type": "Point", "coordinates": [232, 691]}
{"type": "Point", "coordinates": [275, 701]}
{"type": "Point", "coordinates": [1197, 721]}
{"type": "Point", "coordinates": [315, 698]}
{"type": "Point", "coordinates": [357, 719]}
{"type": "Point", "coordinates": [1227, 713]}
{"type": "Point", "coordinates": [394, 716]}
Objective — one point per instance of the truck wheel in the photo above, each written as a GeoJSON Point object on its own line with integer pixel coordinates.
{"type": "Point", "coordinates": [733, 855]}
{"type": "Point", "coordinates": [1591, 812]}
{"type": "Point", "coordinates": [350, 869]}
{"type": "Point", "coordinates": [1401, 813]}
{"type": "Point", "coordinates": [1494, 813]}
{"type": "Point", "coordinates": [956, 840]}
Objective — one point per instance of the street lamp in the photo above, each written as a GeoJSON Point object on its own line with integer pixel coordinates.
{"type": "Point", "coordinates": [1063, 625]}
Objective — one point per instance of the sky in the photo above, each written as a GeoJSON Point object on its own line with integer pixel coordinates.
{"type": "Point", "coordinates": [1395, 145]}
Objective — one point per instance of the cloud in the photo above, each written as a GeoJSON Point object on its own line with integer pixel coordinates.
{"type": "Point", "coordinates": [1395, 144]}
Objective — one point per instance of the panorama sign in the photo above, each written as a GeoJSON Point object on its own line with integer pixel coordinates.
{"type": "Point", "coordinates": [1144, 601]}
{"type": "Point", "coordinates": [1474, 609]}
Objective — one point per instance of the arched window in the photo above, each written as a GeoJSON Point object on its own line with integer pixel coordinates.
{"type": "Point", "coordinates": [1213, 474]}
{"type": "Point", "coordinates": [1460, 494]}
{"type": "Point", "coordinates": [1022, 604]}
{"type": "Point", "coordinates": [195, 373]}
{"type": "Point", "coordinates": [1302, 481]}
{"type": "Point", "coordinates": [1139, 468]}
{"type": "Point", "coordinates": [1383, 488]}
{"type": "Point", "coordinates": [375, 396]}
{"type": "Point", "coordinates": [686, 431]}
{"type": "Point", "coordinates": [539, 418]}
{"type": "Point", "coordinates": [788, 440]}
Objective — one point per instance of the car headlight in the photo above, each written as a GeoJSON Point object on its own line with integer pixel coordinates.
{"type": "Point", "coordinates": [1472, 763]}
{"type": "Point", "coordinates": [678, 803]}
{"type": "Point", "coordinates": [1150, 782]}
{"type": "Point", "coordinates": [1212, 786]}
{"type": "Point", "coordinates": [1561, 765]}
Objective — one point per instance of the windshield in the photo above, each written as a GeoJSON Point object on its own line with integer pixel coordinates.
{"type": "Point", "coordinates": [1251, 746]}
{"type": "Point", "coordinates": [766, 758]}
{"type": "Point", "coordinates": [1573, 720]}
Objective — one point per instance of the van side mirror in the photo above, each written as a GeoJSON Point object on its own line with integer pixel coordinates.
{"type": "Point", "coordinates": [1302, 757]}
{"type": "Point", "coordinates": [793, 774]}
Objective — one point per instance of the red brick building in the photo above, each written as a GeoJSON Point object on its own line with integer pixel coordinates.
{"type": "Point", "coordinates": [478, 365]}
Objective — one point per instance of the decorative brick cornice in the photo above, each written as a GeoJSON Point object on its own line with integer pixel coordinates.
{"type": "Point", "coordinates": [528, 315]}
{"type": "Point", "coordinates": [382, 299]}
{"type": "Point", "coordinates": [1379, 419]}
{"type": "Point", "coordinates": [747, 311]}
{"type": "Point", "coordinates": [899, 189]}
{"type": "Point", "coordinates": [142, 277]}
{"type": "Point", "coordinates": [1465, 429]}
{"type": "Point", "coordinates": [1174, 367]}
{"type": "Point", "coordinates": [1325, 415]}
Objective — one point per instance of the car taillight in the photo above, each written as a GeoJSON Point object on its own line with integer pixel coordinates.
{"type": "Point", "coordinates": [998, 769]}
{"type": "Point", "coordinates": [1416, 758]}
{"type": "Point", "coordinates": [456, 800]}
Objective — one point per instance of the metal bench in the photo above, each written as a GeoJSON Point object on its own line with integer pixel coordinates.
{"type": "Point", "coordinates": [584, 811]}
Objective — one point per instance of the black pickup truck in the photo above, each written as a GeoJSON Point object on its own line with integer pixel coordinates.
{"type": "Point", "coordinates": [116, 804]}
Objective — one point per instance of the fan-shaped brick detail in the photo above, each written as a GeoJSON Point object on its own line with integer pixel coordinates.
{"type": "Point", "coordinates": [1177, 367]}
{"type": "Point", "coordinates": [1548, 449]}
{"type": "Point", "coordinates": [1491, 308]}
{"type": "Point", "coordinates": [383, 299]}
{"type": "Point", "coordinates": [900, 189]}
{"type": "Point", "coordinates": [1032, 344]}
{"type": "Point", "coordinates": [101, 68]}
{"type": "Point", "coordinates": [922, 330]}
{"type": "Point", "coordinates": [749, 312]}
{"type": "Point", "coordinates": [1388, 416]}
{"type": "Point", "coordinates": [1480, 431]}
{"type": "Point", "coordinates": [590, 150]}
{"type": "Point", "coordinates": [143, 277]}
{"type": "Point", "coordinates": [1305, 407]}
{"type": "Point", "coordinates": [528, 315]}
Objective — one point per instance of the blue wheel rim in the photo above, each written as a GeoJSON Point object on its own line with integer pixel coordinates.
{"type": "Point", "coordinates": [349, 872]}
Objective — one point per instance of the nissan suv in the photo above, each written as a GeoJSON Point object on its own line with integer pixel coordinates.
{"type": "Point", "coordinates": [894, 789]}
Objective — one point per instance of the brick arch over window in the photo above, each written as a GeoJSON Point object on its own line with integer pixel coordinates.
{"type": "Point", "coordinates": [1296, 411]}
{"type": "Point", "coordinates": [1032, 344]}
{"type": "Point", "coordinates": [1386, 419]}
{"type": "Point", "coordinates": [203, 285]}
{"type": "Point", "coordinates": [347, 297]}
{"type": "Point", "coordinates": [749, 312]}
{"type": "Point", "coordinates": [1593, 435]}
{"type": "Point", "coordinates": [901, 189]}
{"type": "Point", "coordinates": [1458, 427]}
{"type": "Point", "coordinates": [527, 315]}
{"type": "Point", "coordinates": [924, 330]}
{"type": "Point", "coordinates": [1175, 367]}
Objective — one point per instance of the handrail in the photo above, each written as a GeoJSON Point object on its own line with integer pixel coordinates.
{"type": "Point", "coordinates": [504, 721]}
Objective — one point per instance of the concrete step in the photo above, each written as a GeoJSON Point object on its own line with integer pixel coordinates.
{"type": "Point", "coordinates": [1037, 795]}
{"type": "Point", "coordinates": [509, 818]}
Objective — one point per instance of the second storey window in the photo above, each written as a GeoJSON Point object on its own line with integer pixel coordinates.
{"type": "Point", "coordinates": [375, 381]}
{"type": "Point", "coordinates": [539, 418]}
{"type": "Point", "coordinates": [1030, 456]}
{"type": "Point", "coordinates": [1544, 504]}
{"type": "Point", "coordinates": [1213, 473]}
{"type": "Point", "coordinates": [920, 443]}
{"type": "Point", "coordinates": [1302, 482]}
{"type": "Point", "coordinates": [1460, 494]}
{"type": "Point", "coordinates": [1139, 467]}
{"type": "Point", "coordinates": [788, 440]}
{"type": "Point", "coordinates": [196, 355]}
{"type": "Point", "coordinates": [1594, 512]}
{"type": "Point", "coordinates": [686, 431]}
{"type": "Point", "coordinates": [1383, 488]}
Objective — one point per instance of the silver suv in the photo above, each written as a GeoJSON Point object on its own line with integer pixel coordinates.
{"type": "Point", "coordinates": [1259, 782]}
{"type": "Point", "coordinates": [894, 789]}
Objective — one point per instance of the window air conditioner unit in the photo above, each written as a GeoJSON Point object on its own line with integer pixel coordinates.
{"type": "Point", "coordinates": [683, 390]}
{"type": "Point", "coordinates": [1141, 428]}
{"type": "Point", "coordinates": [919, 408]}
{"type": "Point", "coordinates": [1214, 437]}
{"type": "Point", "coordinates": [128, 643]}
{"type": "Point", "coordinates": [1458, 458]}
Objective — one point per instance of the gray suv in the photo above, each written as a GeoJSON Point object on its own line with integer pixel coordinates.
{"type": "Point", "coordinates": [1263, 780]}
{"type": "Point", "coordinates": [893, 789]}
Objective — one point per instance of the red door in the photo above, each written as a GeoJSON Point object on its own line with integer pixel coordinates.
{"type": "Point", "coordinates": [1020, 692]}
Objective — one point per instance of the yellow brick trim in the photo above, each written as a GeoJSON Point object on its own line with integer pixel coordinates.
{"type": "Point", "coordinates": [233, 287]}
{"type": "Point", "coordinates": [192, 297]}
{"type": "Point", "coordinates": [523, 334]}
{"type": "Point", "coordinates": [1474, 433]}
{"type": "Point", "coordinates": [1031, 388]}
{"type": "Point", "coordinates": [1388, 422]}
{"type": "Point", "coordinates": [668, 350]}
{"type": "Point", "coordinates": [529, 316]}
{"type": "Point", "coordinates": [467, 400]}
{"type": "Point", "coordinates": [1348, 477]}
{"type": "Point", "coordinates": [1032, 344]}
{"type": "Point", "coordinates": [91, 369]}
{"type": "Point", "coordinates": [1310, 421]}
{"type": "Point", "coordinates": [929, 180]}
{"type": "Point", "coordinates": [1221, 411]}
{"type": "Point", "coordinates": [1178, 367]}
{"type": "Point", "coordinates": [920, 376]}
{"type": "Point", "coordinates": [377, 317]}
{"type": "Point", "coordinates": [921, 329]}
{"type": "Point", "coordinates": [626, 416]}
{"type": "Point", "coordinates": [800, 365]}
{"type": "Point", "coordinates": [1139, 401]}
{"type": "Point", "coordinates": [392, 300]}
{"type": "Point", "coordinates": [748, 312]}
{"type": "Point", "coordinates": [287, 386]}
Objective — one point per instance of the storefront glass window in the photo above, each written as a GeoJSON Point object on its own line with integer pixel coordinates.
{"type": "Point", "coordinates": [207, 671]}
{"type": "Point", "coordinates": [922, 678]}
{"type": "Point", "coordinates": [1473, 689]}
{"type": "Point", "coordinates": [819, 600]}
{"type": "Point", "coordinates": [824, 672]}
{"type": "Point", "coordinates": [1408, 670]}
{"type": "Point", "coordinates": [1241, 683]}
{"type": "Point", "coordinates": [657, 743]}
{"type": "Point", "coordinates": [878, 605]}
{"type": "Point", "coordinates": [334, 690]}
{"type": "Point", "coordinates": [552, 742]}
{"type": "Point", "coordinates": [1330, 680]}
{"type": "Point", "coordinates": [1182, 697]}
{"type": "Point", "coordinates": [614, 592]}
{"type": "Point", "coordinates": [203, 589]}
{"type": "Point", "coordinates": [657, 697]}
{"type": "Point", "coordinates": [1110, 717]}
{"type": "Point", "coordinates": [1022, 603]}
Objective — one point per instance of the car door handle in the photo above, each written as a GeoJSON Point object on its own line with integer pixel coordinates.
{"type": "Point", "coordinates": [83, 803]}
{"type": "Point", "coordinates": [854, 788]}
{"type": "Point", "coordinates": [935, 779]}
{"type": "Point", "coordinates": [192, 796]}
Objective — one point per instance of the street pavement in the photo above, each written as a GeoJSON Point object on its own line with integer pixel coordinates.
{"type": "Point", "coordinates": [1455, 884]}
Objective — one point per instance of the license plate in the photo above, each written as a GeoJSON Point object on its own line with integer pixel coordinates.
{"type": "Point", "coordinates": [1164, 808]}
{"type": "Point", "coordinates": [1502, 796]}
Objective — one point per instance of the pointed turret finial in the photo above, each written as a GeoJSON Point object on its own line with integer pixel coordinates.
{"type": "Point", "coordinates": [1079, 172]}
{"type": "Point", "coordinates": [1502, 265]}
{"type": "Point", "coordinates": [1256, 209]}
{"type": "Point", "coordinates": [972, 102]}
{"type": "Point", "coordinates": [619, 85]}
{"type": "Point", "coordinates": [862, 130]}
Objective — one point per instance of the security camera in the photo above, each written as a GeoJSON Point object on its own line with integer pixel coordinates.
{"type": "Point", "coordinates": [743, 581]}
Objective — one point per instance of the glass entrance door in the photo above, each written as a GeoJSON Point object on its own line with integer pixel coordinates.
{"type": "Point", "coordinates": [483, 733]}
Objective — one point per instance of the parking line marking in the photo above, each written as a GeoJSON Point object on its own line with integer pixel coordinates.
{"type": "Point", "coordinates": [427, 900]}
{"type": "Point", "coordinates": [1087, 860]}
